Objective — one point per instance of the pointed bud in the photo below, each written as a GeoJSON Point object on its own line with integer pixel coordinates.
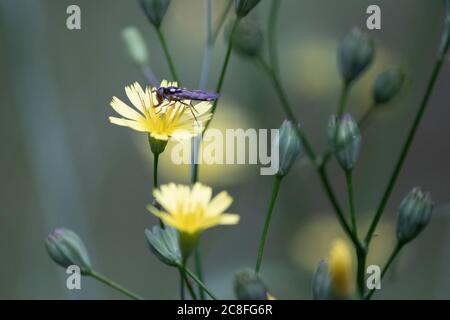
{"type": "Point", "coordinates": [289, 146]}
{"type": "Point", "coordinates": [247, 39]}
{"type": "Point", "coordinates": [355, 54]}
{"type": "Point", "coordinates": [387, 85]}
{"type": "Point", "coordinates": [340, 266]}
{"type": "Point", "coordinates": [243, 7]}
{"type": "Point", "coordinates": [248, 286]}
{"type": "Point", "coordinates": [164, 244]}
{"type": "Point", "coordinates": [155, 10]}
{"type": "Point", "coordinates": [135, 45]}
{"type": "Point", "coordinates": [321, 284]}
{"type": "Point", "coordinates": [345, 140]}
{"type": "Point", "coordinates": [414, 214]}
{"type": "Point", "coordinates": [66, 248]}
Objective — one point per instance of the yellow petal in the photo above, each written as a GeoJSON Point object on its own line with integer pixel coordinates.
{"type": "Point", "coordinates": [125, 111]}
{"type": "Point", "coordinates": [128, 123]}
{"type": "Point", "coordinates": [201, 193]}
{"type": "Point", "coordinates": [228, 218]}
{"type": "Point", "coordinates": [219, 204]}
{"type": "Point", "coordinates": [134, 97]}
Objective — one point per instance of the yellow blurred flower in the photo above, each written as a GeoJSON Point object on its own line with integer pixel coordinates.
{"type": "Point", "coordinates": [340, 266]}
{"type": "Point", "coordinates": [169, 120]}
{"type": "Point", "coordinates": [191, 210]}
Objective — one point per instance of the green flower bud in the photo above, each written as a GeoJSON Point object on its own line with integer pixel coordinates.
{"type": "Point", "coordinates": [135, 45]}
{"type": "Point", "coordinates": [345, 140]}
{"type": "Point", "coordinates": [248, 286]}
{"type": "Point", "coordinates": [355, 54]}
{"type": "Point", "coordinates": [413, 215]}
{"type": "Point", "coordinates": [321, 284]}
{"type": "Point", "coordinates": [247, 39]}
{"type": "Point", "coordinates": [155, 10]}
{"type": "Point", "coordinates": [289, 146]}
{"type": "Point", "coordinates": [157, 146]}
{"type": "Point", "coordinates": [164, 244]}
{"type": "Point", "coordinates": [387, 85]}
{"type": "Point", "coordinates": [66, 248]}
{"type": "Point", "coordinates": [243, 7]}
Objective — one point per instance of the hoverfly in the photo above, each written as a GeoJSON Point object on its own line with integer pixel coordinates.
{"type": "Point", "coordinates": [180, 94]}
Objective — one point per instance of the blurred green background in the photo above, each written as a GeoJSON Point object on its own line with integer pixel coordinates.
{"type": "Point", "coordinates": [63, 164]}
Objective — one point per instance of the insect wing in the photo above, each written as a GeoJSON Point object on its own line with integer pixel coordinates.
{"type": "Point", "coordinates": [199, 95]}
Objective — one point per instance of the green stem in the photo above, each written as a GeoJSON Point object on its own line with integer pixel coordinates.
{"type": "Point", "coordinates": [206, 63]}
{"type": "Point", "coordinates": [112, 284]}
{"type": "Point", "coordinates": [335, 203]}
{"type": "Point", "coordinates": [286, 107]}
{"type": "Point", "coordinates": [155, 170]}
{"type": "Point", "coordinates": [224, 70]}
{"type": "Point", "coordinates": [364, 121]}
{"type": "Point", "coordinates": [409, 139]}
{"type": "Point", "coordinates": [163, 42]}
{"type": "Point", "coordinates": [199, 282]}
{"type": "Point", "coordinates": [182, 282]}
{"type": "Point", "coordinates": [194, 168]}
{"type": "Point", "coordinates": [343, 100]}
{"type": "Point", "coordinates": [321, 171]}
{"type": "Point", "coordinates": [392, 257]}
{"type": "Point", "coordinates": [351, 201]}
{"type": "Point", "coordinates": [361, 256]}
{"type": "Point", "coordinates": [155, 180]}
{"type": "Point", "coordinates": [221, 22]}
{"type": "Point", "coordinates": [198, 270]}
{"type": "Point", "coordinates": [262, 241]}
{"type": "Point", "coordinates": [271, 39]}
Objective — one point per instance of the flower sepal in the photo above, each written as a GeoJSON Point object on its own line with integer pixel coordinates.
{"type": "Point", "coordinates": [156, 145]}
{"type": "Point", "coordinates": [164, 244]}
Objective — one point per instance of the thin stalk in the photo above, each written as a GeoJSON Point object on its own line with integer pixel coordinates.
{"type": "Point", "coordinates": [409, 139]}
{"type": "Point", "coordinates": [392, 257]}
{"type": "Point", "coordinates": [182, 282]}
{"type": "Point", "coordinates": [199, 282]}
{"type": "Point", "coordinates": [194, 169]}
{"type": "Point", "coordinates": [222, 19]}
{"type": "Point", "coordinates": [364, 121]}
{"type": "Point", "coordinates": [286, 107]}
{"type": "Point", "coordinates": [224, 69]}
{"type": "Point", "coordinates": [206, 63]}
{"type": "Point", "coordinates": [155, 170]}
{"type": "Point", "coordinates": [343, 100]}
{"type": "Point", "coordinates": [97, 276]}
{"type": "Point", "coordinates": [197, 140]}
{"type": "Point", "coordinates": [155, 180]}
{"type": "Point", "coordinates": [321, 171]}
{"type": "Point", "coordinates": [262, 241]}
{"type": "Point", "coordinates": [351, 201]}
{"type": "Point", "coordinates": [199, 271]}
{"type": "Point", "coordinates": [361, 256]}
{"type": "Point", "coordinates": [272, 32]}
{"type": "Point", "coordinates": [163, 42]}
{"type": "Point", "coordinates": [150, 75]}
{"type": "Point", "coordinates": [337, 208]}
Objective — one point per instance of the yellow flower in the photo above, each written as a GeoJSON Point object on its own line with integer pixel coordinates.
{"type": "Point", "coordinates": [340, 267]}
{"type": "Point", "coordinates": [191, 210]}
{"type": "Point", "coordinates": [168, 120]}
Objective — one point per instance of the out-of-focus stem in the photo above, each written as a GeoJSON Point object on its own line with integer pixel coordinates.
{"type": "Point", "coordinates": [163, 42]}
